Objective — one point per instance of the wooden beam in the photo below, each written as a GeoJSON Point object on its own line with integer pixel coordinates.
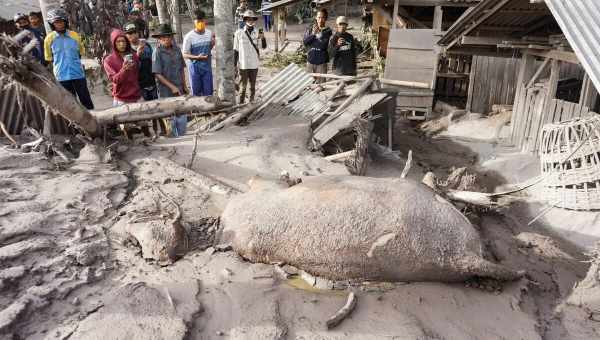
{"type": "Point", "coordinates": [538, 73]}
{"type": "Point", "coordinates": [438, 16]}
{"type": "Point", "coordinates": [431, 3]}
{"type": "Point", "coordinates": [526, 70]}
{"type": "Point", "coordinates": [569, 57]}
{"type": "Point", "coordinates": [481, 19]}
{"type": "Point", "coordinates": [403, 12]}
{"type": "Point", "coordinates": [396, 6]}
{"type": "Point", "coordinates": [469, 40]}
{"type": "Point", "coordinates": [589, 94]}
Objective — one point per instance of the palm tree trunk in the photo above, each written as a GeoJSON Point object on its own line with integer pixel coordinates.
{"type": "Point", "coordinates": [176, 20]}
{"type": "Point", "coordinates": [223, 10]}
{"type": "Point", "coordinates": [46, 5]}
{"type": "Point", "coordinates": [163, 12]}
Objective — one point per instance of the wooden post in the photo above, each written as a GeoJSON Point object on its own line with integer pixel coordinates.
{"type": "Point", "coordinates": [526, 71]}
{"type": "Point", "coordinates": [589, 94]}
{"type": "Point", "coordinates": [552, 83]}
{"type": "Point", "coordinates": [438, 15]}
{"type": "Point", "coordinates": [469, 105]}
{"type": "Point", "coordinates": [276, 13]}
{"type": "Point", "coordinates": [396, 6]}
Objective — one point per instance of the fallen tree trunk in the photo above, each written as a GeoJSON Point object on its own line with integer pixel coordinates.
{"type": "Point", "coordinates": [157, 109]}
{"type": "Point", "coordinates": [26, 73]}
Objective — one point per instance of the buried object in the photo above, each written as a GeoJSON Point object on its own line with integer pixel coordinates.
{"type": "Point", "coordinates": [345, 227]}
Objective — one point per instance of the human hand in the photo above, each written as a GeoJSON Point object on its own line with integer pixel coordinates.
{"type": "Point", "coordinates": [176, 91]}
{"type": "Point", "coordinates": [127, 65]}
{"type": "Point", "coordinates": [202, 57]}
{"type": "Point", "coordinates": [341, 41]}
{"type": "Point", "coordinates": [140, 49]}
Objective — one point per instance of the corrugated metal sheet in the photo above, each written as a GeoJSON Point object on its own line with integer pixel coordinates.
{"type": "Point", "coordinates": [29, 113]}
{"type": "Point", "coordinates": [580, 22]}
{"type": "Point", "coordinates": [290, 86]}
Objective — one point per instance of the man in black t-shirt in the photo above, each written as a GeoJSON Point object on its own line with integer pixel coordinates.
{"type": "Point", "coordinates": [342, 48]}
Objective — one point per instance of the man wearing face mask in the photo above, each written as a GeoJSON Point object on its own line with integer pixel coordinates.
{"type": "Point", "coordinates": [197, 47]}
{"type": "Point", "coordinates": [247, 53]}
{"type": "Point", "coordinates": [316, 40]}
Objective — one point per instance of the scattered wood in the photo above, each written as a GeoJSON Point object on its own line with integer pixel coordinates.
{"type": "Point", "coordinates": [404, 83]}
{"type": "Point", "coordinates": [340, 156]}
{"type": "Point", "coordinates": [5, 132]}
{"type": "Point", "coordinates": [237, 117]}
{"type": "Point", "coordinates": [408, 165]}
{"type": "Point", "coordinates": [337, 91]}
{"type": "Point", "coordinates": [359, 92]}
{"type": "Point", "coordinates": [343, 313]}
{"type": "Point", "coordinates": [196, 136]}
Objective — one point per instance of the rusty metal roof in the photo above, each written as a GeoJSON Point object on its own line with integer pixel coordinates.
{"type": "Point", "coordinates": [580, 23]}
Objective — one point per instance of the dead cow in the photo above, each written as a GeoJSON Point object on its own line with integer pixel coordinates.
{"type": "Point", "coordinates": [345, 227]}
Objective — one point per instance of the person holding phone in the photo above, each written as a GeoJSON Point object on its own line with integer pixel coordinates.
{"type": "Point", "coordinates": [247, 43]}
{"type": "Point", "coordinates": [316, 40]}
{"type": "Point", "coordinates": [122, 68]}
{"type": "Point", "coordinates": [168, 67]}
{"type": "Point", "coordinates": [342, 48]}
{"type": "Point", "coordinates": [197, 47]}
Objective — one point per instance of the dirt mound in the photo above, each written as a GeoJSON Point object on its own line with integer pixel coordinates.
{"type": "Point", "coordinates": [51, 233]}
{"type": "Point", "coordinates": [344, 227]}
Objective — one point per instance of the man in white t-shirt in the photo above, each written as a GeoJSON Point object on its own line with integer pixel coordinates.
{"type": "Point", "coordinates": [197, 47]}
{"type": "Point", "coordinates": [246, 44]}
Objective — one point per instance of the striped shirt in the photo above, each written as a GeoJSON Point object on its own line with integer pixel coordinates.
{"type": "Point", "coordinates": [264, 4]}
{"type": "Point", "coordinates": [195, 43]}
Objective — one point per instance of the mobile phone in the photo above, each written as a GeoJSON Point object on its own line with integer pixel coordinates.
{"type": "Point", "coordinates": [128, 58]}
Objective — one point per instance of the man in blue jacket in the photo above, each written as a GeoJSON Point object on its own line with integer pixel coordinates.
{"type": "Point", "coordinates": [316, 40]}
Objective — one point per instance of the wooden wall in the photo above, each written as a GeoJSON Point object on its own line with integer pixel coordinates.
{"type": "Point", "coordinates": [493, 80]}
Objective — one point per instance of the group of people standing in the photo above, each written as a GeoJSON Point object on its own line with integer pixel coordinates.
{"type": "Point", "coordinates": [324, 45]}
{"type": "Point", "coordinates": [137, 71]}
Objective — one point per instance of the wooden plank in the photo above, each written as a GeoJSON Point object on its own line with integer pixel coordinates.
{"type": "Point", "coordinates": [526, 70]}
{"type": "Point", "coordinates": [438, 16]}
{"type": "Point", "coordinates": [538, 73]}
{"type": "Point", "coordinates": [480, 20]}
{"type": "Point", "coordinates": [481, 41]}
{"type": "Point", "coordinates": [569, 57]}
{"type": "Point", "coordinates": [472, 75]}
{"type": "Point", "coordinates": [536, 120]}
{"type": "Point", "coordinates": [328, 130]}
{"type": "Point", "coordinates": [396, 6]}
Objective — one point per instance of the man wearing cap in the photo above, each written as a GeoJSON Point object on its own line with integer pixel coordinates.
{"type": "Point", "coordinates": [136, 16]}
{"type": "Point", "coordinates": [63, 48]}
{"type": "Point", "coordinates": [343, 50]}
{"type": "Point", "coordinates": [316, 40]}
{"type": "Point", "coordinates": [247, 53]}
{"type": "Point", "coordinates": [168, 67]}
{"type": "Point", "coordinates": [239, 12]}
{"type": "Point", "coordinates": [146, 80]}
{"type": "Point", "coordinates": [22, 24]}
{"type": "Point", "coordinates": [197, 47]}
